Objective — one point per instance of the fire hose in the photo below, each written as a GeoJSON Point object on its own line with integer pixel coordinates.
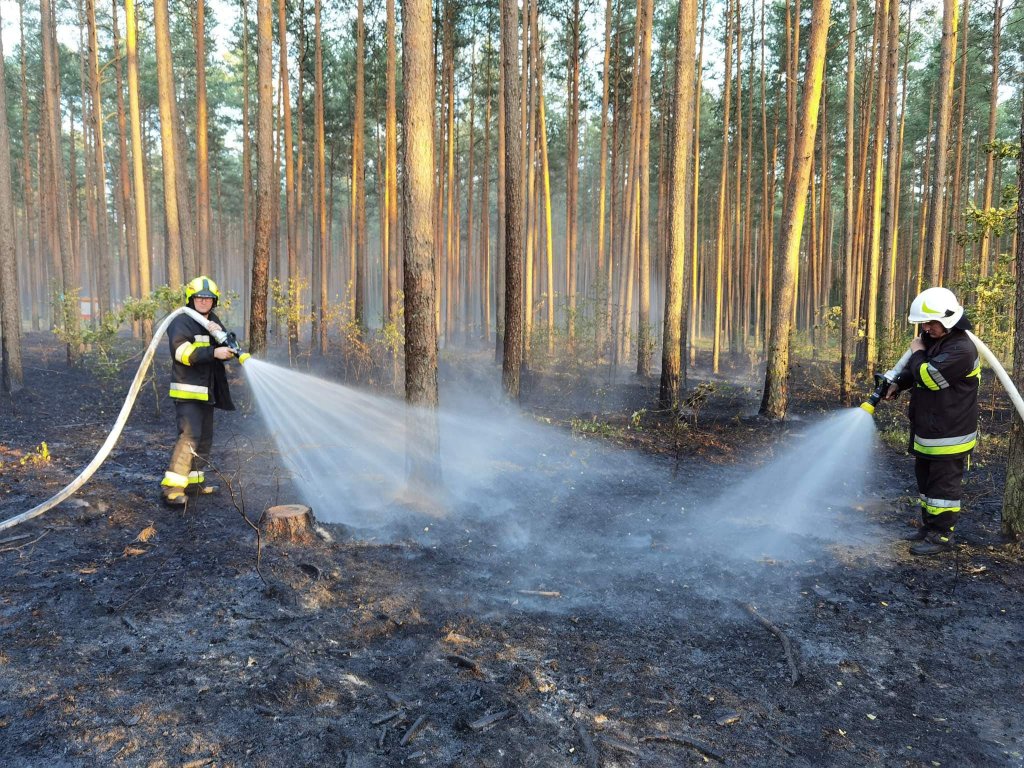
{"type": "Point", "coordinates": [884, 380]}
{"type": "Point", "coordinates": [133, 392]}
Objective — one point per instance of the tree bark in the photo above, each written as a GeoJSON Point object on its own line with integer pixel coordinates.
{"type": "Point", "coordinates": [422, 458]}
{"type": "Point", "coordinates": [265, 176]}
{"type": "Point", "coordinates": [102, 254]}
{"type": "Point", "coordinates": [202, 150]}
{"type": "Point", "coordinates": [723, 183]}
{"type": "Point", "coordinates": [993, 103]}
{"type": "Point", "coordinates": [513, 223]}
{"type": "Point", "coordinates": [848, 333]}
{"type": "Point", "coordinates": [934, 235]}
{"type": "Point", "coordinates": [391, 169]}
{"type": "Point", "coordinates": [682, 141]}
{"type": "Point", "coordinates": [11, 374]}
{"type": "Point", "coordinates": [1013, 495]}
{"type": "Point", "coordinates": [776, 386]}
{"type": "Point", "coordinates": [168, 146]}
{"type": "Point", "coordinates": [320, 191]}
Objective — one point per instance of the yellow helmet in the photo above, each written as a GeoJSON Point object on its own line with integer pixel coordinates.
{"type": "Point", "coordinates": [202, 286]}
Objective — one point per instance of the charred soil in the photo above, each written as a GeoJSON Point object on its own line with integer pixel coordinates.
{"type": "Point", "coordinates": [134, 635]}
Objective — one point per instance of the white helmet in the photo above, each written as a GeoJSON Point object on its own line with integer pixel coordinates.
{"type": "Point", "coordinates": [936, 304]}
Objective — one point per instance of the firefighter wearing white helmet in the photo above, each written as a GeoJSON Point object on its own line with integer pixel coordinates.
{"type": "Point", "coordinates": [199, 384]}
{"type": "Point", "coordinates": [943, 375]}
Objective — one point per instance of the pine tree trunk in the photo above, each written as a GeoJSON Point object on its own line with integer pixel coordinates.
{"type": "Point", "coordinates": [359, 174]}
{"type": "Point", "coordinates": [848, 334]}
{"type": "Point", "coordinates": [11, 374]}
{"type": "Point", "coordinates": [320, 187]}
{"type": "Point", "coordinates": [993, 103]}
{"type": "Point", "coordinates": [934, 236]}
{"type": "Point", "coordinates": [892, 203]}
{"type": "Point", "coordinates": [776, 385]}
{"type": "Point", "coordinates": [1013, 495]}
{"type": "Point", "coordinates": [265, 176]}
{"type": "Point", "coordinates": [102, 255]}
{"type": "Point", "coordinates": [418, 235]}
{"type": "Point", "coordinates": [513, 223]}
{"type": "Point", "coordinates": [682, 142]}
{"type": "Point", "coordinates": [168, 147]}
{"type": "Point", "coordinates": [391, 167]}
{"type": "Point", "coordinates": [138, 156]}
{"type": "Point", "coordinates": [602, 257]}
{"type": "Point", "coordinates": [202, 151]}
{"type": "Point", "coordinates": [572, 180]}
{"type": "Point", "coordinates": [723, 184]}
{"type": "Point", "coordinates": [645, 345]}
{"type": "Point", "coordinates": [877, 187]}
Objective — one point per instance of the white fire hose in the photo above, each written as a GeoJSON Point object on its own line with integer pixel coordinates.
{"type": "Point", "coordinates": [118, 427]}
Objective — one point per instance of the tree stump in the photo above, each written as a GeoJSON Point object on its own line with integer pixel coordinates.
{"type": "Point", "coordinates": [289, 522]}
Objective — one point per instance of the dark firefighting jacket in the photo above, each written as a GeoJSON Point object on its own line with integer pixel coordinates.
{"type": "Point", "coordinates": [943, 380]}
{"type": "Point", "coordinates": [196, 375]}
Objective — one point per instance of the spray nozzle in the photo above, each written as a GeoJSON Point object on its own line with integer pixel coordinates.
{"type": "Point", "coordinates": [882, 383]}
{"type": "Point", "coordinates": [229, 340]}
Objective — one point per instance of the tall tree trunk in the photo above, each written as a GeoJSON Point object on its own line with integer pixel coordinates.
{"type": "Point", "coordinates": [952, 250]}
{"type": "Point", "coordinates": [892, 203]}
{"type": "Point", "coordinates": [265, 176]}
{"type": "Point", "coordinates": [993, 103]}
{"type": "Point", "coordinates": [572, 179]}
{"type": "Point", "coordinates": [877, 187]}
{"type": "Point", "coordinates": [138, 155]}
{"type": "Point", "coordinates": [776, 385]}
{"type": "Point", "coordinates": [202, 151]}
{"type": "Point", "coordinates": [69, 284]}
{"type": "Point", "coordinates": [1013, 495]}
{"type": "Point", "coordinates": [320, 191]}
{"type": "Point", "coordinates": [682, 142]}
{"type": "Point", "coordinates": [124, 181]}
{"type": "Point", "coordinates": [102, 255]}
{"type": "Point", "coordinates": [848, 335]}
{"type": "Point", "coordinates": [168, 147]}
{"type": "Point", "coordinates": [513, 223]}
{"type": "Point", "coordinates": [292, 281]}
{"type": "Point", "coordinates": [934, 236]}
{"type": "Point", "coordinates": [602, 258]}
{"type": "Point", "coordinates": [11, 374]}
{"type": "Point", "coordinates": [247, 227]}
{"type": "Point", "coordinates": [645, 345]}
{"type": "Point", "coordinates": [499, 271]}
{"type": "Point", "coordinates": [418, 234]}
{"type": "Point", "coordinates": [391, 168]}
{"type": "Point", "coordinates": [359, 175]}
{"type": "Point", "coordinates": [723, 184]}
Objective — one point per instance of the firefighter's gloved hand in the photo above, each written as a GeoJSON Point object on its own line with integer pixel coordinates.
{"type": "Point", "coordinates": [213, 327]}
{"type": "Point", "coordinates": [893, 392]}
{"type": "Point", "coordinates": [917, 345]}
{"type": "Point", "coordinates": [223, 353]}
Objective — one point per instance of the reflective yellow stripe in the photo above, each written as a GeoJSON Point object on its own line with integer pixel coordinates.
{"type": "Point", "coordinates": [926, 377]}
{"type": "Point", "coordinates": [944, 450]}
{"type": "Point", "coordinates": [180, 395]}
{"type": "Point", "coordinates": [183, 352]}
{"type": "Point", "coordinates": [975, 372]}
{"type": "Point", "coordinates": [174, 480]}
{"type": "Point", "coordinates": [196, 477]}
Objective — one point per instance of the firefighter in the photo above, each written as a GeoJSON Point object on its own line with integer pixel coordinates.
{"type": "Point", "coordinates": [198, 385]}
{"type": "Point", "coordinates": [943, 375]}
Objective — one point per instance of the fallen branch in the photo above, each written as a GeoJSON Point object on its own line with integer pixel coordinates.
{"type": "Point", "coordinates": [489, 720]}
{"type": "Point", "coordinates": [540, 593]}
{"type": "Point", "coordinates": [622, 746]}
{"type": "Point", "coordinates": [387, 717]}
{"type": "Point", "coordinates": [26, 544]}
{"type": "Point", "coordinates": [787, 646]}
{"type": "Point", "coordinates": [590, 753]}
{"type": "Point", "coordinates": [696, 746]}
{"type": "Point", "coordinates": [413, 730]}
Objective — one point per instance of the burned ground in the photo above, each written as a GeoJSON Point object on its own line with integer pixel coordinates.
{"type": "Point", "coordinates": [581, 614]}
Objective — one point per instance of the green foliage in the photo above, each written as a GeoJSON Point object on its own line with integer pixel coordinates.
{"type": "Point", "coordinates": [990, 303]}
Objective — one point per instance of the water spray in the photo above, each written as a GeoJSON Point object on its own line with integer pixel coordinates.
{"type": "Point", "coordinates": [222, 337]}
{"type": "Point", "coordinates": [884, 380]}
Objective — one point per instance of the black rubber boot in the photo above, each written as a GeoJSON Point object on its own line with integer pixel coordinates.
{"type": "Point", "coordinates": [935, 543]}
{"type": "Point", "coordinates": [918, 534]}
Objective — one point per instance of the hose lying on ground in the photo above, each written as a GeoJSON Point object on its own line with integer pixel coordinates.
{"type": "Point", "coordinates": [108, 444]}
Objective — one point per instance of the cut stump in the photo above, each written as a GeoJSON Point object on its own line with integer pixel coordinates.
{"type": "Point", "coordinates": [289, 522]}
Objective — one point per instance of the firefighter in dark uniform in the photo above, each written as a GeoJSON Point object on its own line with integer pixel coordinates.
{"type": "Point", "coordinates": [943, 375]}
{"type": "Point", "coordinates": [198, 385]}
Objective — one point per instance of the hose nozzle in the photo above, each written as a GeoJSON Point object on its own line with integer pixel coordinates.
{"type": "Point", "coordinates": [881, 387]}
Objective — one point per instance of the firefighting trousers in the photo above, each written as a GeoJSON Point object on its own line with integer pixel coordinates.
{"type": "Point", "coordinates": [192, 450]}
{"type": "Point", "coordinates": [939, 484]}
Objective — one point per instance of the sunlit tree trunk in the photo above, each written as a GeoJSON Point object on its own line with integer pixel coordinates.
{"type": "Point", "coordinates": [320, 211]}
{"type": "Point", "coordinates": [848, 335]}
{"type": "Point", "coordinates": [124, 189]}
{"type": "Point", "coordinates": [265, 175]}
{"type": "Point", "coordinates": [102, 254]}
{"type": "Point", "coordinates": [952, 250]}
{"type": "Point", "coordinates": [247, 226]}
{"type": "Point", "coordinates": [138, 154]}
{"type": "Point", "coordinates": [877, 187]}
{"type": "Point", "coordinates": [776, 385]}
{"type": "Point", "coordinates": [513, 222]}
{"type": "Point", "coordinates": [11, 373]}
{"type": "Point", "coordinates": [993, 103]}
{"type": "Point", "coordinates": [51, 114]}
{"type": "Point", "coordinates": [572, 180]}
{"type": "Point", "coordinates": [202, 146]}
{"type": "Point", "coordinates": [644, 343]}
{"type": "Point", "coordinates": [934, 236]}
{"type": "Point", "coordinates": [289, 170]}
{"type": "Point", "coordinates": [602, 193]}
{"type": "Point", "coordinates": [359, 175]}
{"type": "Point", "coordinates": [892, 203]}
{"type": "Point", "coordinates": [391, 168]}
{"type": "Point", "coordinates": [500, 193]}
{"type": "Point", "coordinates": [694, 310]}
{"type": "Point", "coordinates": [682, 142]}
{"type": "Point", "coordinates": [168, 148]}
{"type": "Point", "coordinates": [34, 251]}
{"type": "Point", "coordinates": [423, 466]}
{"type": "Point", "coordinates": [723, 184]}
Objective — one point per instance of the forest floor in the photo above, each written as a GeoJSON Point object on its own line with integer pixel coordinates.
{"type": "Point", "coordinates": [596, 607]}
